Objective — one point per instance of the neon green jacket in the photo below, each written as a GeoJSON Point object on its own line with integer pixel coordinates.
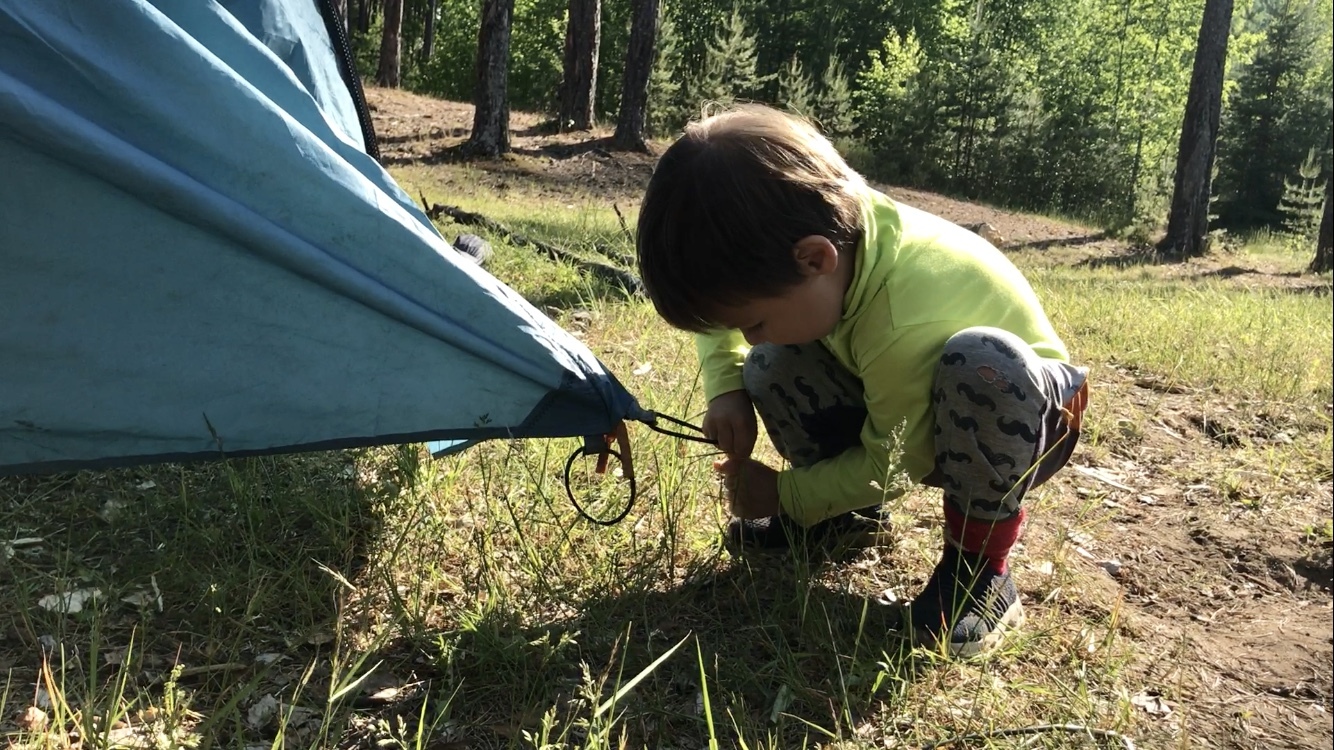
{"type": "Point", "coordinates": [918, 280]}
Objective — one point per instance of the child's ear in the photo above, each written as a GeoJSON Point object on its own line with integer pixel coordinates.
{"type": "Point", "coordinates": [815, 255]}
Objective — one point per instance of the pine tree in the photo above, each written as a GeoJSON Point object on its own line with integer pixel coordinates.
{"type": "Point", "coordinates": [794, 88]}
{"type": "Point", "coordinates": [1303, 200]}
{"type": "Point", "coordinates": [1188, 221]}
{"type": "Point", "coordinates": [895, 108]}
{"type": "Point", "coordinates": [1323, 262]}
{"type": "Point", "coordinates": [833, 104]}
{"type": "Point", "coordinates": [578, 88]}
{"type": "Point", "coordinates": [491, 109]}
{"type": "Point", "coordinates": [631, 121]}
{"type": "Point", "coordinates": [666, 111]}
{"type": "Point", "coordinates": [391, 45]}
{"type": "Point", "coordinates": [1274, 119]}
{"type": "Point", "coordinates": [730, 71]}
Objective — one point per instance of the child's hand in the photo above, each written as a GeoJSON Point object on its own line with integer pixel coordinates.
{"type": "Point", "coordinates": [730, 420]}
{"type": "Point", "coordinates": [752, 487]}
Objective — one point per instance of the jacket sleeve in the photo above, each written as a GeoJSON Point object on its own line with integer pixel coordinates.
{"type": "Point", "coordinates": [897, 371]}
{"type": "Point", "coordinates": [721, 354]}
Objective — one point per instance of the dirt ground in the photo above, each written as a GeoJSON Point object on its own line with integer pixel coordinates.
{"type": "Point", "coordinates": [1229, 603]}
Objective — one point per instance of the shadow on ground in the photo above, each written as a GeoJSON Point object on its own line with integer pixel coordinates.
{"type": "Point", "coordinates": [836, 656]}
{"type": "Point", "coordinates": [1087, 239]}
{"type": "Point", "coordinates": [231, 571]}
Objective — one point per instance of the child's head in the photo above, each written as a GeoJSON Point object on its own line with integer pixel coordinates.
{"type": "Point", "coordinates": [731, 206]}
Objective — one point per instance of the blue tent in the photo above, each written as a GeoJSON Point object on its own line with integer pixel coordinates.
{"type": "Point", "coordinates": [198, 255]}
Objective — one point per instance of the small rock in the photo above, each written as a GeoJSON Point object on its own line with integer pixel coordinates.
{"type": "Point", "coordinates": [33, 720]}
{"type": "Point", "coordinates": [70, 602]}
{"type": "Point", "coordinates": [111, 509]}
{"type": "Point", "coordinates": [1152, 704]}
{"type": "Point", "coordinates": [989, 233]}
{"type": "Point", "coordinates": [259, 714]}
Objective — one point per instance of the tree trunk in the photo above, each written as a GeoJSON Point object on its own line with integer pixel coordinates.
{"type": "Point", "coordinates": [1188, 222]}
{"type": "Point", "coordinates": [491, 118]}
{"type": "Point", "coordinates": [638, 65]}
{"type": "Point", "coordinates": [1323, 262]}
{"type": "Point", "coordinates": [391, 45]}
{"type": "Point", "coordinates": [428, 34]}
{"type": "Point", "coordinates": [578, 89]}
{"type": "Point", "coordinates": [340, 10]}
{"type": "Point", "coordinates": [365, 15]}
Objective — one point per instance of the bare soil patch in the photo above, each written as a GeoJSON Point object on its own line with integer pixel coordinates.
{"type": "Point", "coordinates": [1215, 579]}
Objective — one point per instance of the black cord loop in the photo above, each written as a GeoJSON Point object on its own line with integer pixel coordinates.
{"type": "Point", "coordinates": [682, 423]}
{"type": "Point", "coordinates": [584, 452]}
{"type": "Point", "coordinates": [604, 452]}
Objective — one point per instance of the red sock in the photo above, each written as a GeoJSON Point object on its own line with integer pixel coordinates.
{"type": "Point", "coordinates": [990, 539]}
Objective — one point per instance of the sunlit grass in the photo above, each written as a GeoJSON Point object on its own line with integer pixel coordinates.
{"type": "Point", "coordinates": [1204, 333]}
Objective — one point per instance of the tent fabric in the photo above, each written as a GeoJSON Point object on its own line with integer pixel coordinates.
{"type": "Point", "coordinates": [197, 256]}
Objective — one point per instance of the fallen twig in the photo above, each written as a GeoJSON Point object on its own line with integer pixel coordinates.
{"type": "Point", "coordinates": [1108, 734]}
{"type": "Point", "coordinates": [626, 280]}
{"type": "Point", "coordinates": [624, 227]}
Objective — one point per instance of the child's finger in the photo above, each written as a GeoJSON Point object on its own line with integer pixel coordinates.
{"type": "Point", "coordinates": [726, 436]}
{"type": "Point", "coordinates": [746, 443]}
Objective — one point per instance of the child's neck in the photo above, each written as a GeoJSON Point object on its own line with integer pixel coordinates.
{"type": "Point", "coordinates": [846, 273]}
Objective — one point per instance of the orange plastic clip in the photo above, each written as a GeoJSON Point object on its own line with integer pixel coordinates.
{"type": "Point", "coordinates": [619, 437]}
{"type": "Point", "coordinates": [1073, 410]}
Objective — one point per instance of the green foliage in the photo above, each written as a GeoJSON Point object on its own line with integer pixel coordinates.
{"type": "Point", "coordinates": [893, 117]}
{"type": "Point", "coordinates": [795, 91]}
{"type": "Point", "coordinates": [1280, 111]}
{"type": "Point", "coordinates": [666, 108]}
{"type": "Point", "coordinates": [1042, 105]}
{"type": "Point", "coordinates": [611, 58]}
{"type": "Point", "coordinates": [450, 71]}
{"type": "Point", "coordinates": [1303, 201]}
{"type": "Point", "coordinates": [537, 36]}
{"type": "Point", "coordinates": [1072, 106]}
{"type": "Point", "coordinates": [730, 66]}
{"type": "Point", "coordinates": [833, 102]}
{"type": "Point", "coordinates": [536, 50]}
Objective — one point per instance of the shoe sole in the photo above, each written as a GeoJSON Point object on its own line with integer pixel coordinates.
{"type": "Point", "coordinates": [1012, 620]}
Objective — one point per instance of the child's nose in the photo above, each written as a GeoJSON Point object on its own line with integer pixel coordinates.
{"type": "Point", "coordinates": [753, 338]}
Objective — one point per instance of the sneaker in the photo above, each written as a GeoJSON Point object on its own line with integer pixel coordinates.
{"type": "Point", "coordinates": [968, 602]}
{"type": "Point", "coordinates": [781, 532]}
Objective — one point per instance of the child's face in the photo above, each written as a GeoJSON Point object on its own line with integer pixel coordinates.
{"type": "Point", "coordinates": [805, 312]}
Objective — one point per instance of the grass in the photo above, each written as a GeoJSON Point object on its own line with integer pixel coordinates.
{"type": "Point", "coordinates": [378, 598]}
{"type": "Point", "coordinates": [1204, 333]}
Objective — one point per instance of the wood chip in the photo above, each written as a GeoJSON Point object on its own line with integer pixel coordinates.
{"type": "Point", "coordinates": [1101, 475]}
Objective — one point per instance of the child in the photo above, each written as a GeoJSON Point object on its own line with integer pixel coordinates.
{"type": "Point", "coordinates": [855, 326]}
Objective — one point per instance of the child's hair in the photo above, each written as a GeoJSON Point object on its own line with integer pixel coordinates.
{"type": "Point", "coordinates": [728, 202]}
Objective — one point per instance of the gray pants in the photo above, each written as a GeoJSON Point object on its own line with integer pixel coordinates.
{"type": "Point", "coordinates": [1000, 428]}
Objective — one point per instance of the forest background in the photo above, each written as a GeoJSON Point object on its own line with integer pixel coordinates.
{"type": "Point", "coordinates": [1067, 107]}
